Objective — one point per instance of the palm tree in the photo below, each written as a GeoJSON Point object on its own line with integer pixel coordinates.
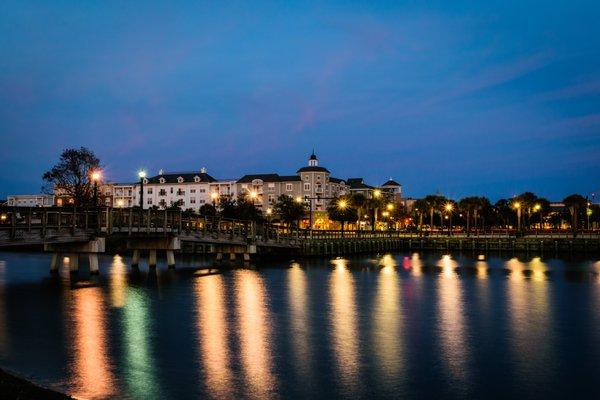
{"type": "Point", "coordinates": [528, 201]}
{"type": "Point", "coordinates": [420, 208]}
{"type": "Point", "coordinates": [467, 205]}
{"type": "Point", "coordinates": [480, 204]}
{"type": "Point", "coordinates": [359, 202]}
{"type": "Point", "coordinates": [574, 202]}
{"type": "Point", "coordinates": [434, 202]}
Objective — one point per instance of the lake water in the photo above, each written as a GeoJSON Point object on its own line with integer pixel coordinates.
{"type": "Point", "coordinates": [388, 326]}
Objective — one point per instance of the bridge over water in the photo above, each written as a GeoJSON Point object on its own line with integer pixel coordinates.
{"type": "Point", "coordinates": [74, 232]}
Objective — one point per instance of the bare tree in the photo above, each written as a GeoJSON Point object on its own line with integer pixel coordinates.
{"type": "Point", "coordinates": [71, 178]}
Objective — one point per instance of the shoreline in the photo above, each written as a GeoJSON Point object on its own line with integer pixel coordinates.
{"type": "Point", "coordinates": [15, 386]}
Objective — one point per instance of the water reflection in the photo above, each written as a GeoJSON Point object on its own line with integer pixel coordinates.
{"type": "Point", "coordinates": [4, 344]}
{"type": "Point", "coordinates": [213, 330]}
{"type": "Point", "coordinates": [529, 313]}
{"type": "Point", "coordinates": [92, 377]}
{"type": "Point", "coordinates": [254, 333]}
{"type": "Point", "coordinates": [118, 282]}
{"type": "Point", "coordinates": [300, 329]}
{"type": "Point", "coordinates": [344, 325]}
{"type": "Point", "coordinates": [387, 321]}
{"type": "Point", "coordinates": [451, 324]}
{"type": "Point", "coordinates": [140, 369]}
{"type": "Point", "coordinates": [416, 265]}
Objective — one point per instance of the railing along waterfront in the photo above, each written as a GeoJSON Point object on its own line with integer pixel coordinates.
{"type": "Point", "coordinates": [18, 221]}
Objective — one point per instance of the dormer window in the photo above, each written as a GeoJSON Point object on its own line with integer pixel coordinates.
{"type": "Point", "coordinates": [196, 179]}
{"type": "Point", "coordinates": [162, 180]}
{"type": "Point", "coordinates": [145, 181]}
{"type": "Point", "coordinates": [180, 179]}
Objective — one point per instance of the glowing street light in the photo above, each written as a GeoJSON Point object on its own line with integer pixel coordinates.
{"type": "Point", "coordinates": [95, 176]}
{"type": "Point", "coordinates": [214, 196]}
{"type": "Point", "coordinates": [298, 199]}
{"type": "Point", "coordinates": [377, 193]}
{"type": "Point", "coordinates": [142, 176]}
{"type": "Point", "coordinates": [517, 207]}
{"type": "Point", "coordinates": [449, 207]}
{"type": "Point", "coordinates": [342, 204]}
{"type": "Point", "coordinates": [253, 194]}
{"type": "Point", "coordinates": [390, 207]}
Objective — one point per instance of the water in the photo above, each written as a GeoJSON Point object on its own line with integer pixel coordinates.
{"type": "Point", "coordinates": [394, 326]}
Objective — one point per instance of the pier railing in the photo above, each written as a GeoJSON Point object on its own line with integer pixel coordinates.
{"type": "Point", "coordinates": [17, 221]}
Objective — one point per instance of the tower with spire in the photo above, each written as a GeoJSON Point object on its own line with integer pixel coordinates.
{"type": "Point", "coordinates": [313, 161]}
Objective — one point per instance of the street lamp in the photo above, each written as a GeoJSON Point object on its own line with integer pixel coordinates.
{"type": "Point", "coordinates": [517, 207]}
{"type": "Point", "coordinates": [214, 196]}
{"type": "Point", "coordinates": [142, 176]}
{"type": "Point", "coordinates": [96, 176]}
{"type": "Point", "coordinates": [538, 208]}
{"type": "Point", "coordinates": [449, 207]}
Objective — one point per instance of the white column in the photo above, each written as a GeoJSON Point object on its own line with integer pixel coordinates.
{"type": "Point", "coordinates": [135, 259]}
{"type": "Point", "coordinates": [55, 263]}
{"type": "Point", "coordinates": [152, 258]}
{"type": "Point", "coordinates": [170, 258]}
{"type": "Point", "coordinates": [231, 256]}
{"type": "Point", "coordinates": [93, 259]}
{"type": "Point", "coordinates": [74, 262]}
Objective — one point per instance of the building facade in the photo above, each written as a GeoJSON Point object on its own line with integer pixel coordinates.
{"type": "Point", "coordinates": [30, 200]}
{"type": "Point", "coordinates": [312, 185]}
{"type": "Point", "coordinates": [188, 190]}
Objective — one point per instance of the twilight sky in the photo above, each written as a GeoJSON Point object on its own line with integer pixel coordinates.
{"type": "Point", "coordinates": [485, 98]}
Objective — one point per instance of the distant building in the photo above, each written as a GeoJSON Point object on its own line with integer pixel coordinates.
{"type": "Point", "coordinates": [185, 189]}
{"type": "Point", "coordinates": [312, 184]}
{"type": "Point", "coordinates": [30, 200]}
{"type": "Point", "coordinates": [358, 186]}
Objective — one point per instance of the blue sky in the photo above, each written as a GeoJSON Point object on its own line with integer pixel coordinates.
{"type": "Point", "coordinates": [461, 98]}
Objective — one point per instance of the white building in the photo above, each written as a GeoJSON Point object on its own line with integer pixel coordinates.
{"type": "Point", "coordinates": [186, 189]}
{"type": "Point", "coordinates": [30, 200]}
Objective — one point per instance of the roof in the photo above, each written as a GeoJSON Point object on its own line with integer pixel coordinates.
{"type": "Point", "coordinates": [335, 180]}
{"type": "Point", "coordinates": [358, 183]}
{"type": "Point", "coordinates": [188, 177]}
{"type": "Point", "coordinates": [391, 182]}
{"type": "Point", "coordinates": [268, 178]}
{"type": "Point", "coordinates": [313, 169]}
{"type": "Point", "coordinates": [312, 156]}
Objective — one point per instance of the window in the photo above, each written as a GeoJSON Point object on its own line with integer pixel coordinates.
{"type": "Point", "coordinates": [180, 192]}
{"type": "Point", "coordinates": [149, 191]}
{"type": "Point", "coordinates": [196, 179]}
{"type": "Point", "coordinates": [192, 190]}
{"type": "Point", "coordinates": [171, 190]}
{"type": "Point", "coordinates": [202, 190]}
{"type": "Point", "coordinates": [162, 192]}
{"type": "Point", "coordinates": [244, 186]}
{"type": "Point", "coordinates": [289, 187]}
{"type": "Point", "coordinates": [149, 201]}
{"type": "Point", "coordinates": [202, 201]}
{"type": "Point", "coordinates": [307, 186]}
{"type": "Point", "coordinates": [180, 179]}
{"type": "Point", "coordinates": [162, 180]}
{"type": "Point", "coordinates": [193, 200]}
{"type": "Point", "coordinates": [271, 198]}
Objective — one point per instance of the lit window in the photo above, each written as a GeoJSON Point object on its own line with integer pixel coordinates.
{"type": "Point", "coordinates": [289, 187]}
